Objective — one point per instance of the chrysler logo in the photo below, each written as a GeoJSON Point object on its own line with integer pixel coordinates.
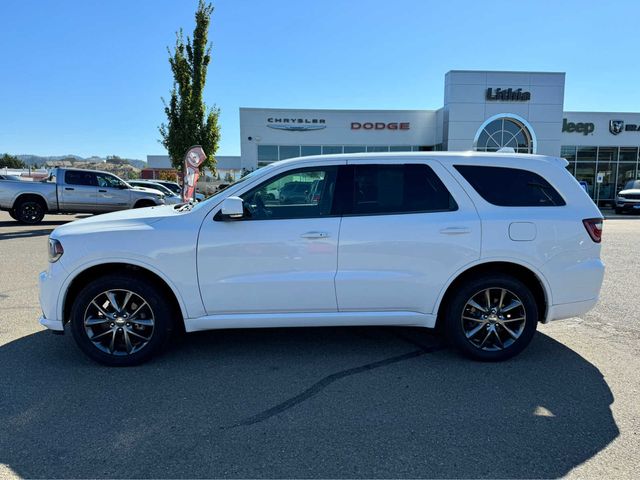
{"type": "Point", "coordinates": [616, 126]}
{"type": "Point", "coordinates": [296, 124]}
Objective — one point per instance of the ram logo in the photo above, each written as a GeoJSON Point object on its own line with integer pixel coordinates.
{"type": "Point", "coordinates": [616, 126]}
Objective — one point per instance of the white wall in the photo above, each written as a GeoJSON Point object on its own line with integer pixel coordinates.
{"type": "Point", "coordinates": [337, 131]}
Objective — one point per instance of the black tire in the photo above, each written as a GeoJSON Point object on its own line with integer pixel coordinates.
{"type": "Point", "coordinates": [501, 343]}
{"type": "Point", "coordinates": [30, 211]}
{"type": "Point", "coordinates": [12, 214]}
{"type": "Point", "coordinates": [618, 211]}
{"type": "Point", "coordinates": [142, 290]}
{"type": "Point", "coordinates": [144, 204]}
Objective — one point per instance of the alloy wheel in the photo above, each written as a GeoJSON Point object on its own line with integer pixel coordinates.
{"type": "Point", "coordinates": [119, 322]}
{"type": "Point", "coordinates": [493, 319]}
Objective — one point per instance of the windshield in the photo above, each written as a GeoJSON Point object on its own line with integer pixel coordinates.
{"type": "Point", "coordinates": [632, 184]}
{"type": "Point", "coordinates": [154, 186]}
{"type": "Point", "coordinates": [174, 187]}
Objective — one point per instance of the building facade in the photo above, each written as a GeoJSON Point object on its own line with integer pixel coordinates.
{"type": "Point", "coordinates": [482, 111]}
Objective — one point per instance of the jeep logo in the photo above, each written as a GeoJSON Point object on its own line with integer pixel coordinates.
{"type": "Point", "coordinates": [584, 128]}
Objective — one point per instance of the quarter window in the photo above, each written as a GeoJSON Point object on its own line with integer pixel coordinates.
{"type": "Point", "coordinates": [510, 187]}
{"type": "Point", "coordinates": [109, 181]}
{"type": "Point", "coordinates": [306, 193]}
{"type": "Point", "coordinates": [389, 189]}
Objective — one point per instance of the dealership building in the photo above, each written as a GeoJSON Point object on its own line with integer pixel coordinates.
{"type": "Point", "coordinates": [482, 111]}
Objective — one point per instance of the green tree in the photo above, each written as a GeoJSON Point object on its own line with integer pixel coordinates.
{"type": "Point", "coordinates": [9, 161]}
{"type": "Point", "coordinates": [189, 121]}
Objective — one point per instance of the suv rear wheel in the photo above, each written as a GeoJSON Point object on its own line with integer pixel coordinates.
{"type": "Point", "coordinates": [491, 318]}
{"type": "Point", "coordinates": [121, 320]}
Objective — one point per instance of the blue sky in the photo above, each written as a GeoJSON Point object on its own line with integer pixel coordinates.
{"type": "Point", "coordinates": [86, 76]}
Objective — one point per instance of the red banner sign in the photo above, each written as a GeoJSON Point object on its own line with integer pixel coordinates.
{"type": "Point", "coordinates": [192, 161]}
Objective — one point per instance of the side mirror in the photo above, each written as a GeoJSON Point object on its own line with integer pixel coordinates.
{"type": "Point", "coordinates": [232, 207]}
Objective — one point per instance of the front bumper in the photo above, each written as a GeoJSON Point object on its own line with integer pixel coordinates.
{"type": "Point", "coordinates": [628, 206]}
{"type": "Point", "coordinates": [49, 291]}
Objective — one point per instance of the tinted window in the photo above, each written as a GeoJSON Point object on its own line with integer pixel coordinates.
{"type": "Point", "coordinates": [306, 193]}
{"type": "Point", "coordinates": [74, 177]}
{"type": "Point", "coordinates": [387, 189]}
{"type": "Point", "coordinates": [510, 187]}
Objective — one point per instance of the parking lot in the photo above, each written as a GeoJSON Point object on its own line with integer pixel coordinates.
{"type": "Point", "coordinates": [324, 402]}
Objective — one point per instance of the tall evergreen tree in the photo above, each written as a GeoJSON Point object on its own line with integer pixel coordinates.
{"type": "Point", "coordinates": [189, 121]}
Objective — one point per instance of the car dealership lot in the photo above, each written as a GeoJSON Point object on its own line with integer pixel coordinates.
{"type": "Point", "coordinates": [333, 402]}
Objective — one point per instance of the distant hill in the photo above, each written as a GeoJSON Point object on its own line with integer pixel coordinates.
{"type": "Point", "coordinates": [40, 160]}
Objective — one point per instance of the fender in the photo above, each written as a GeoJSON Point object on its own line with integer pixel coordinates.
{"type": "Point", "coordinates": [130, 261]}
{"type": "Point", "coordinates": [516, 261]}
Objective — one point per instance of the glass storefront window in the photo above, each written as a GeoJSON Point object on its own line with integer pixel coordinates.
{"type": "Point", "coordinates": [607, 164]}
{"type": "Point", "coordinates": [377, 148]}
{"type": "Point", "coordinates": [354, 148]}
{"type": "Point", "coordinates": [329, 149]}
{"type": "Point", "coordinates": [399, 148]}
{"type": "Point", "coordinates": [568, 152]}
{"type": "Point", "coordinates": [626, 172]}
{"type": "Point", "coordinates": [586, 172]}
{"type": "Point", "coordinates": [267, 154]}
{"type": "Point", "coordinates": [306, 150]}
{"type": "Point", "coordinates": [289, 151]}
{"type": "Point", "coordinates": [629, 154]}
{"type": "Point", "coordinates": [586, 154]}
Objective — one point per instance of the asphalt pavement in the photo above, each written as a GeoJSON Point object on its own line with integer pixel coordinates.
{"type": "Point", "coordinates": [322, 402]}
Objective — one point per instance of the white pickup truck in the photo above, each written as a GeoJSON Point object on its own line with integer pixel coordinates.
{"type": "Point", "coordinates": [71, 190]}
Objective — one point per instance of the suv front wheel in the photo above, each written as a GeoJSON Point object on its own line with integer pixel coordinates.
{"type": "Point", "coordinates": [491, 318]}
{"type": "Point", "coordinates": [121, 320]}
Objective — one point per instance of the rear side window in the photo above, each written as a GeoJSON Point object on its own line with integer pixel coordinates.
{"type": "Point", "coordinates": [388, 189]}
{"type": "Point", "coordinates": [72, 177]}
{"type": "Point", "coordinates": [511, 187]}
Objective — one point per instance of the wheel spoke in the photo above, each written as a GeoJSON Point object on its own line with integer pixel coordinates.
{"type": "Point", "coordinates": [507, 320]}
{"type": "Point", "coordinates": [127, 297]}
{"type": "Point", "coordinates": [514, 304]}
{"type": "Point", "coordinates": [475, 330]}
{"type": "Point", "coordinates": [487, 296]}
{"type": "Point", "coordinates": [502, 294]}
{"type": "Point", "coordinates": [476, 305]}
{"type": "Point", "coordinates": [100, 309]}
{"type": "Point", "coordinates": [113, 340]}
{"type": "Point", "coordinates": [142, 321]}
{"type": "Point", "coordinates": [133, 315]}
{"type": "Point", "coordinates": [112, 300]}
{"type": "Point", "coordinates": [510, 332]}
{"type": "Point", "coordinates": [471, 319]}
{"type": "Point", "coordinates": [486, 338]}
{"type": "Point", "coordinates": [131, 332]}
{"type": "Point", "coordinates": [497, 335]}
{"type": "Point", "coordinates": [127, 340]}
{"type": "Point", "coordinates": [95, 321]}
{"type": "Point", "coordinates": [100, 335]}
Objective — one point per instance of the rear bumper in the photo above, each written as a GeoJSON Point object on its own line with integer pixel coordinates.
{"type": "Point", "coordinates": [568, 310]}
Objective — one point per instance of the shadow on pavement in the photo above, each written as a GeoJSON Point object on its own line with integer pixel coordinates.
{"type": "Point", "coordinates": [325, 402]}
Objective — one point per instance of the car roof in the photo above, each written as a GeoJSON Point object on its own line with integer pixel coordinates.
{"type": "Point", "coordinates": [443, 157]}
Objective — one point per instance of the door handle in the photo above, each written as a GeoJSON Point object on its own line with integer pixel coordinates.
{"type": "Point", "coordinates": [312, 235]}
{"type": "Point", "coordinates": [455, 231]}
{"type": "Point", "coordinates": [102, 191]}
{"type": "Point", "coordinates": [69, 188]}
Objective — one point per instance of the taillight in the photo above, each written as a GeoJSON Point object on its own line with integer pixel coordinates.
{"type": "Point", "coordinates": [594, 228]}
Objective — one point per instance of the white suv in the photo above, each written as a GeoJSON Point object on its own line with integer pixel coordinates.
{"type": "Point", "coordinates": [484, 245]}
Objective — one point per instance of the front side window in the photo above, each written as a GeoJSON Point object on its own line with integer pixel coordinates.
{"type": "Point", "coordinates": [109, 181]}
{"type": "Point", "coordinates": [305, 193]}
{"type": "Point", "coordinates": [388, 189]}
{"type": "Point", "coordinates": [76, 177]}
{"type": "Point", "coordinates": [510, 187]}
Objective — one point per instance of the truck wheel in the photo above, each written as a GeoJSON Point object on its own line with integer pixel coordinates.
{"type": "Point", "coordinates": [121, 320]}
{"type": "Point", "coordinates": [30, 211]}
{"type": "Point", "coordinates": [491, 318]}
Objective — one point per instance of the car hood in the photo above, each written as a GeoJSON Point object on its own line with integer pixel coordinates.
{"type": "Point", "coordinates": [147, 190]}
{"type": "Point", "coordinates": [635, 191]}
{"type": "Point", "coordinates": [122, 220]}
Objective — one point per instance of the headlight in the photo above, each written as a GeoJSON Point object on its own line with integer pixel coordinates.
{"type": "Point", "coordinates": [621, 199]}
{"type": "Point", "coordinates": [55, 250]}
